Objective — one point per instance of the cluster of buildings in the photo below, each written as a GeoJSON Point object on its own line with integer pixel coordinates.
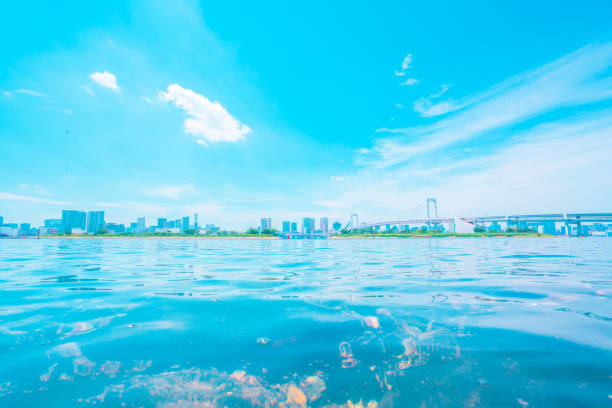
{"type": "Point", "coordinates": [308, 226]}
{"type": "Point", "coordinates": [75, 222]}
{"type": "Point", "coordinates": [556, 228]}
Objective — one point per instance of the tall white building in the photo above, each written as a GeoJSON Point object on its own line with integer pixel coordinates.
{"type": "Point", "coordinates": [266, 223]}
{"type": "Point", "coordinates": [141, 227]}
{"type": "Point", "coordinates": [324, 225]}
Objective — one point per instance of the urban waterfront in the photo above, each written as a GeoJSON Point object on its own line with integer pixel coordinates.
{"type": "Point", "coordinates": [333, 323]}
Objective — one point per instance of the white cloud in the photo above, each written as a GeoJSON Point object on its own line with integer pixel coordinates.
{"type": "Point", "coordinates": [575, 79]}
{"type": "Point", "coordinates": [406, 63]}
{"type": "Point", "coordinates": [171, 192]}
{"type": "Point", "coordinates": [34, 188]}
{"type": "Point", "coordinates": [23, 91]}
{"type": "Point", "coordinates": [105, 79]}
{"type": "Point", "coordinates": [207, 120]}
{"type": "Point", "coordinates": [399, 73]}
{"type": "Point", "coordinates": [144, 98]}
{"type": "Point", "coordinates": [16, 197]}
{"type": "Point", "coordinates": [410, 82]}
{"type": "Point", "coordinates": [337, 178]}
{"type": "Point", "coordinates": [86, 89]}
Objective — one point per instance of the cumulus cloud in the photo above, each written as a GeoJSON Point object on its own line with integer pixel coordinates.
{"type": "Point", "coordinates": [208, 120]}
{"type": "Point", "coordinates": [105, 79]}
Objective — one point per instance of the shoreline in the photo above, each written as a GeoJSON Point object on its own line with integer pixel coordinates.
{"type": "Point", "coordinates": [335, 237]}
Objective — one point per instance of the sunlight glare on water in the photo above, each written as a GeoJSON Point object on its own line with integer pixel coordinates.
{"type": "Point", "coordinates": [325, 323]}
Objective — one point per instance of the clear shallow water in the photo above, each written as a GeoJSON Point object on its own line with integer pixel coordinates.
{"type": "Point", "coordinates": [238, 323]}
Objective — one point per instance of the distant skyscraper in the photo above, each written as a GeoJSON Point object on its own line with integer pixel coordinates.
{"type": "Point", "coordinates": [266, 223]}
{"type": "Point", "coordinates": [24, 228]}
{"type": "Point", "coordinates": [95, 221]}
{"type": "Point", "coordinates": [337, 226]}
{"type": "Point", "coordinates": [185, 224]}
{"type": "Point", "coordinates": [308, 225]}
{"type": "Point", "coordinates": [324, 225]}
{"type": "Point", "coordinates": [53, 223]}
{"type": "Point", "coordinates": [1, 220]}
{"type": "Point", "coordinates": [195, 221]}
{"type": "Point", "coordinates": [286, 227]}
{"type": "Point", "coordinates": [162, 223]}
{"type": "Point", "coordinates": [354, 220]}
{"type": "Point", "coordinates": [141, 225]}
{"type": "Point", "coordinates": [294, 228]}
{"type": "Point", "coordinates": [73, 219]}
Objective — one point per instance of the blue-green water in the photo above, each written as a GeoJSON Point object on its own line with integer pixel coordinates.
{"type": "Point", "coordinates": [238, 323]}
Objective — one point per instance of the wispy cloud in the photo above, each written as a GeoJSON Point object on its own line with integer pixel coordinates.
{"type": "Point", "coordinates": [86, 89]}
{"type": "Point", "coordinates": [410, 82]}
{"type": "Point", "coordinates": [407, 62]}
{"type": "Point", "coordinates": [578, 78]}
{"type": "Point", "coordinates": [22, 198]}
{"type": "Point", "coordinates": [337, 178]}
{"type": "Point", "coordinates": [208, 120]}
{"type": "Point", "coordinates": [171, 192]}
{"type": "Point", "coordinates": [25, 92]}
{"type": "Point", "coordinates": [105, 79]}
{"type": "Point", "coordinates": [406, 65]}
{"type": "Point", "coordinates": [34, 188]}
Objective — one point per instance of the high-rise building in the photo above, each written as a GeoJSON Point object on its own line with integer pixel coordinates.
{"type": "Point", "coordinates": [162, 223]}
{"type": "Point", "coordinates": [286, 227]}
{"type": "Point", "coordinates": [308, 225]}
{"type": "Point", "coordinates": [195, 221]}
{"type": "Point", "coordinates": [337, 226]}
{"type": "Point", "coordinates": [24, 228]}
{"type": "Point", "coordinates": [294, 228]}
{"type": "Point", "coordinates": [53, 223]}
{"type": "Point", "coordinates": [73, 219]}
{"type": "Point", "coordinates": [266, 223]}
{"type": "Point", "coordinates": [141, 225]}
{"type": "Point", "coordinates": [324, 225]}
{"type": "Point", "coordinates": [95, 221]}
{"type": "Point", "coordinates": [185, 224]}
{"type": "Point", "coordinates": [354, 220]}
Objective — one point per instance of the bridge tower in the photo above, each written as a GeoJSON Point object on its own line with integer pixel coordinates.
{"type": "Point", "coordinates": [435, 207]}
{"type": "Point", "coordinates": [354, 220]}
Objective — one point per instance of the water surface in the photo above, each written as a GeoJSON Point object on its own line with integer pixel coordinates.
{"type": "Point", "coordinates": [332, 323]}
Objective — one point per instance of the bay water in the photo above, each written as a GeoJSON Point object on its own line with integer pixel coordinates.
{"type": "Point", "coordinates": [470, 322]}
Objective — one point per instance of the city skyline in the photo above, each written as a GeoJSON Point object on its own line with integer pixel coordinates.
{"type": "Point", "coordinates": [94, 115]}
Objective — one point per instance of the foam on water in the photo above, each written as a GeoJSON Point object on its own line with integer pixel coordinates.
{"type": "Point", "coordinates": [327, 323]}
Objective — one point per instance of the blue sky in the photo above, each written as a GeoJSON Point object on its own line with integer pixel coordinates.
{"type": "Point", "coordinates": [240, 110]}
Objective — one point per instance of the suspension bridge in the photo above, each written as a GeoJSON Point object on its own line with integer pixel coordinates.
{"type": "Point", "coordinates": [433, 221]}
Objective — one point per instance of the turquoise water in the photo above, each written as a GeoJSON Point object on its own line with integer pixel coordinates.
{"type": "Point", "coordinates": [329, 323]}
